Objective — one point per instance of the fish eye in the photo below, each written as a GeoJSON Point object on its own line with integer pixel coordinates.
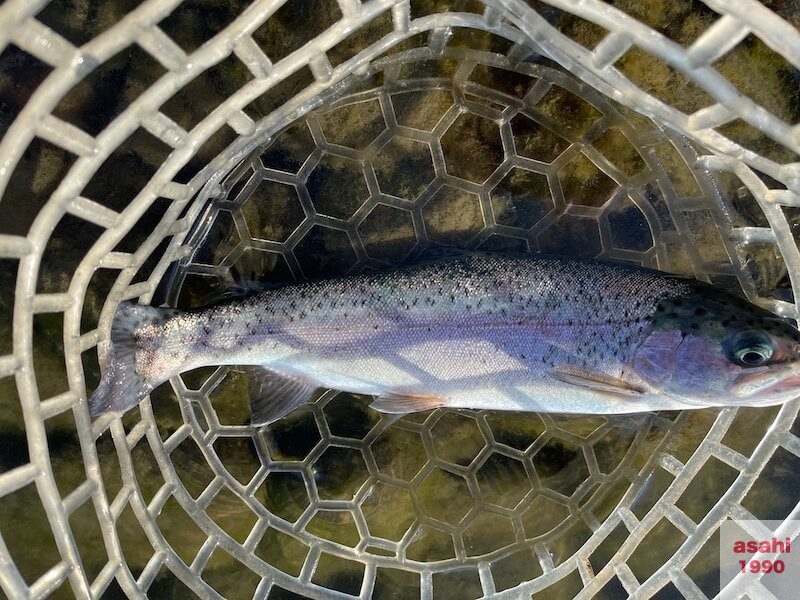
{"type": "Point", "coordinates": [752, 349]}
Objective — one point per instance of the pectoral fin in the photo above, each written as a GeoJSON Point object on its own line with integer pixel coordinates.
{"type": "Point", "coordinates": [276, 394]}
{"type": "Point", "coordinates": [595, 381]}
{"type": "Point", "coordinates": [400, 404]}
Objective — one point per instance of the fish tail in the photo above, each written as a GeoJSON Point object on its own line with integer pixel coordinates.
{"type": "Point", "coordinates": [121, 386]}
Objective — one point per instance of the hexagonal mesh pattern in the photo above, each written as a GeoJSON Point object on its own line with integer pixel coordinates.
{"type": "Point", "coordinates": [170, 151]}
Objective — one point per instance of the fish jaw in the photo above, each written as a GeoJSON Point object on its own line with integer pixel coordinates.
{"type": "Point", "coordinates": [768, 386]}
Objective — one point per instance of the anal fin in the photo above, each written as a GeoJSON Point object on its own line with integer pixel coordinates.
{"type": "Point", "coordinates": [276, 394]}
{"type": "Point", "coordinates": [400, 404]}
{"type": "Point", "coordinates": [594, 381]}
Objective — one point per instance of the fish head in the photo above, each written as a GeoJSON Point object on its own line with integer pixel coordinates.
{"type": "Point", "coordinates": [711, 348]}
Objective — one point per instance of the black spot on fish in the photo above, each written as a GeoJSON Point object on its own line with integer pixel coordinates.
{"type": "Point", "coordinates": [700, 311]}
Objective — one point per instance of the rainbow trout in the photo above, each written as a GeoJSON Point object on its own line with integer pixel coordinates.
{"type": "Point", "coordinates": [533, 333]}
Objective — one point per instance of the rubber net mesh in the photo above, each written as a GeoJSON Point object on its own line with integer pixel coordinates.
{"type": "Point", "coordinates": [167, 151]}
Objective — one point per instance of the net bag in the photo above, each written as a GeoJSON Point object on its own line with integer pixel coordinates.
{"type": "Point", "coordinates": [168, 152]}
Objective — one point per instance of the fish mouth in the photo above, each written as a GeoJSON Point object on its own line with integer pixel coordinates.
{"type": "Point", "coordinates": [775, 385]}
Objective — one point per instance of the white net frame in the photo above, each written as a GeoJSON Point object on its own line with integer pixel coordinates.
{"type": "Point", "coordinates": [514, 20]}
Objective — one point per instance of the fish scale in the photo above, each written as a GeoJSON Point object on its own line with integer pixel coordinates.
{"type": "Point", "coordinates": [476, 331]}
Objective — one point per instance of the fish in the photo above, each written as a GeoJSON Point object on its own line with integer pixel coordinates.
{"type": "Point", "coordinates": [532, 333]}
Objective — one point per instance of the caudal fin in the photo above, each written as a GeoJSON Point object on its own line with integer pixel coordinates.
{"type": "Point", "coordinates": [121, 387]}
